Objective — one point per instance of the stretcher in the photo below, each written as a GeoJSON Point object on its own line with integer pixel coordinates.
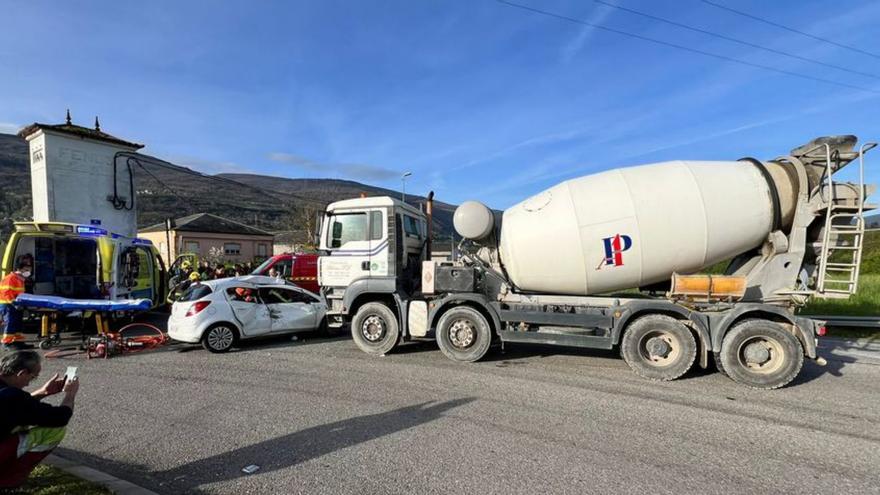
{"type": "Point", "coordinates": [34, 302]}
{"type": "Point", "coordinates": [51, 308]}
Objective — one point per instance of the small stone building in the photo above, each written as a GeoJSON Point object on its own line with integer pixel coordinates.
{"type": "Point", "coordinates": [205, 234]}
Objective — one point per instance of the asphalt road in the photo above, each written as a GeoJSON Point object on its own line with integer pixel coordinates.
{"type": "Point", "coordinates": [319, 416]}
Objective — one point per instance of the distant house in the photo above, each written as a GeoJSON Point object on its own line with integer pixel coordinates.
{"type": "Point", "coordinates": [206, 234]}
{"type": "Point", "coordinates": [292, 241]}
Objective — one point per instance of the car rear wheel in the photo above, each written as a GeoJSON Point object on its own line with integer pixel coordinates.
{"type": "Point", "coordinates": [220, 338]}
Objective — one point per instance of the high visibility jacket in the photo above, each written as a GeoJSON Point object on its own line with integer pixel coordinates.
{"type": "Point", "coordinates": [10, 287]}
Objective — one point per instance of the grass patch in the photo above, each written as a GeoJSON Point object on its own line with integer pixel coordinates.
{"type": "Point", "coordinates": [865, 302]}
{"type": "Point", "coordinates": [48, 480]}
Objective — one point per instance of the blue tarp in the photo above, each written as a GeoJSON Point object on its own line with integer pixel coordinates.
{"type": "Point", "coordinates": [56, 303]}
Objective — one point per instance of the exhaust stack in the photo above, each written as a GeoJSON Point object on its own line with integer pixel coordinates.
{"type": "Point", "coordinates": [429, 212]}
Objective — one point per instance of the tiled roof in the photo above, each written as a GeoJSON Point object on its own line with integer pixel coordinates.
{"type": "Point", "coordinates": [208, 223]}
{"type": "Point", "coordinates": [77, 130]}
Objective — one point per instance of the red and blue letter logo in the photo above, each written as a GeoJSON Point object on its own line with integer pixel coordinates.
{"type": "Point", "coordinates": [614, 248]}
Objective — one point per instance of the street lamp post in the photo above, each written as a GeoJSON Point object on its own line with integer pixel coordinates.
{"type": "Point", "coordinates": [403, 180]}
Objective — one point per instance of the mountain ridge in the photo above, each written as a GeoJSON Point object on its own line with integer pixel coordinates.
{"type": "Point", "coordinates": [165, 189]}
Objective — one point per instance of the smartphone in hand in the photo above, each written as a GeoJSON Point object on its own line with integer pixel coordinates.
{"type": "Point", "coordinates": [70, 374]}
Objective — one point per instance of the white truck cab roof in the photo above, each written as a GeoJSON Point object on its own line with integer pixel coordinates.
{"type": "Point", "coordinates": [372, 201]}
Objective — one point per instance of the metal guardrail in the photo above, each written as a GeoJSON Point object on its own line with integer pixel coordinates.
{"type": "Point", "coordinates": [847, 321]}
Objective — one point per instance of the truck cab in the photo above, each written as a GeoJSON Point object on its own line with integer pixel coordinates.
{"type": "Point", "coordinates": [372, 252]}
{"type": "Point", "coordinates": [86, 262]}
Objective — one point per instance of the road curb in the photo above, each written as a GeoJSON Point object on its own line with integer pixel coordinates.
{"type": "Point", "coordinates": [112, 483]}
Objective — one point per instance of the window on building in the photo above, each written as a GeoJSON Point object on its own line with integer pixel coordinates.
{"type": "Point", "coordinates": [232, 248]}
{"type": "Point", "coordinates": [192, 247]}
{"type": "Point", "coordinates": [261, 250]}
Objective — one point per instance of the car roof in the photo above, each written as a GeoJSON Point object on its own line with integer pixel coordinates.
{"type": "Point", "coordinates": [255, 281]}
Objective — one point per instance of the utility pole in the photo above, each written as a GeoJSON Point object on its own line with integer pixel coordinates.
{"type": "Point", "coordinates": [169, 224]}
{"type": "Point", "coordinates": [403, 179]}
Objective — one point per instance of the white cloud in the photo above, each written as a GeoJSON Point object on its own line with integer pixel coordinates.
{"type": "Point", "coordinates": [576, 44]}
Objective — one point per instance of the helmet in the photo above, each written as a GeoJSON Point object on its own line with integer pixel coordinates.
{"type": "Point", "coordinates": [185, 264]}
{"type": "Point", "coordinates": [194, 276]}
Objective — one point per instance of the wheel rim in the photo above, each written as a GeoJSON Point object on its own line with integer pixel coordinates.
{"type": "Point", "coordinates": [373, 328]}
{"type": "Point", "coordinates": [220, 338]}
{"type": "Point", "coordinates": [660, 348]}
{"type": "Point", "coordinates": [462, 333]}
{"type": "Point", "coordinates": [761, 354]}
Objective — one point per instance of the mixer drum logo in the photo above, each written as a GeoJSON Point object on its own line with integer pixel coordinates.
{"type": "Point", "coordinates": [614, 248]}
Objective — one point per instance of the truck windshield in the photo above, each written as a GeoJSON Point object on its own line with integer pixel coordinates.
{"type": "Point", "coordinates": [263, 267]}
{"type": "Point", "coordinates": [347, 227]}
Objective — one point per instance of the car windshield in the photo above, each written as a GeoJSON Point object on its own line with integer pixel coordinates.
{"type": "Point", "coordinates": [263, 266]}
{"type": "Point", "coordinates": [195, 292]}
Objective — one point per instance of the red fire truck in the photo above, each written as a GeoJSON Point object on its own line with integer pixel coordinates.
{"type": "Point", "coordinates": [299, 268]}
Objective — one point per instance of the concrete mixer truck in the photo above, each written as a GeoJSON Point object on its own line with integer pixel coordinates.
{"type": "Point", "coordinates": [612, 261]}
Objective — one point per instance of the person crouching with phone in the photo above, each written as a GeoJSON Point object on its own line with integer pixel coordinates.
{"type": "Point", "coordinates": [29, 428]}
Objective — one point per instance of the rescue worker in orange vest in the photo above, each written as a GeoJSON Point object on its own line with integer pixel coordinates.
{"type": "Point", "coordinates": [10, 287]}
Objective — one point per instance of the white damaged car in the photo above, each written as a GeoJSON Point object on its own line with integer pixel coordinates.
{"type": "Point", "coordinates": [219, 313]}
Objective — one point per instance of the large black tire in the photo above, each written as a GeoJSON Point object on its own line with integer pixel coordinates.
{"type": "Point", "coordinates": [716, 356]}
{"type": "Point", "coordinates": [220, 337]}
{"type": "Point", "coordinates": [658, 347]}
{"type": "Point", "coordinates": [463, 334]}
{"type": "Point", "coordinates": [761, 354]}
{"type": "Point", "coordinates": [374, 329]}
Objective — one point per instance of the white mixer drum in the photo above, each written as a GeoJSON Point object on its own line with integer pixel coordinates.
{"type": "Point", "coordinates": [634, 226]}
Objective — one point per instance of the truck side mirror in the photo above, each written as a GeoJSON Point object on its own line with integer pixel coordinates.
{"type": "Point", "coordinates": [337, 235]}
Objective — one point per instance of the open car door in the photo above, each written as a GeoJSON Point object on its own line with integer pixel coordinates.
{"type": "Point", "coordinates": [290, 308]}
{"type": "Point", "coordinates": [252, 315]}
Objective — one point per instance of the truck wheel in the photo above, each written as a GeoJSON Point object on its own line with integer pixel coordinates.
{"type": "Point", "coordinates": [374, 329]}
{"type": "Point", "coordinates": [463, 334]}
{"type": "Point", "coordinates": [716, 356]}
{"type": "Point", "coordinates": [658, 347]}
{"type": "Point", "coordinates": [761, 354]}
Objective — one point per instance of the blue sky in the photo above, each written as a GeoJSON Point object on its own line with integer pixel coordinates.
{"type": "Point", "coordinates": [479, 100]}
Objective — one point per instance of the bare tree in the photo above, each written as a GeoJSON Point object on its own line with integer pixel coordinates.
{"type": "Point", "coordinates": [307, 217]}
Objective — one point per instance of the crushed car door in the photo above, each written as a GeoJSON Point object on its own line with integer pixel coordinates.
{"type": "Point", "coordinates": [252, 315]}
{"type": "Point", "coordinates": [289, 308]}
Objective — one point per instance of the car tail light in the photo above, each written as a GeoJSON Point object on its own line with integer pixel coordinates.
{"type": "Point", "coordinates": [197, 308]}
{"type": "Point", "coordinates": [821, 331]}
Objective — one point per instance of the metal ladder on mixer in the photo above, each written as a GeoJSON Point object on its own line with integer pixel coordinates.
{"type": "Point", "coordinates": [843, 238]}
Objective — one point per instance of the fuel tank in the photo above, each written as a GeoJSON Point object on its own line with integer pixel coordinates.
{"type": "Point", "coordinates": [635, 226]}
